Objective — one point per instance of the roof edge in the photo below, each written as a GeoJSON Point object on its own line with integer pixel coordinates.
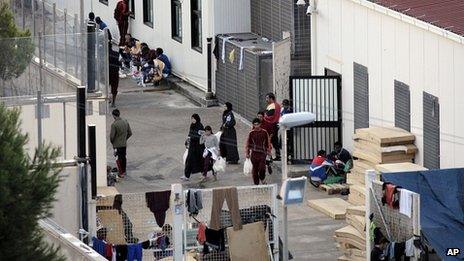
{"type": "Point", "coordinates": [411, 20]}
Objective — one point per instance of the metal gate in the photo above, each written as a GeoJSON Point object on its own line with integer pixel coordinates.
{"type": "Point", "coordinates": [320, 95]}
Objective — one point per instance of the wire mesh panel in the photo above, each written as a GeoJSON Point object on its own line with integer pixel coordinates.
{"type": "Point", "coordinates": [126, 219]}
{"type": "Point", "coordinates": [400, 227]}
{"type": "Point", "coordinates": [256, 203]}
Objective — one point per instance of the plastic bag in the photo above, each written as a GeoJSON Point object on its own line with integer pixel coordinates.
{"type": "Point", "coordinates": [247, 167]}
{"type": "Point", "coordinates": [218, 135]}
{"type": "Point", "coordinates": [219, 165]}
{"type": "Point", "coordinates": [185, 156]}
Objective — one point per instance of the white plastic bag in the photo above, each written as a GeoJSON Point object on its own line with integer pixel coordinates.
{"type": "Point", "coordinates": [218, 135]}
{"type": "Point", "coordinates": [185, 156]}
{"type": "Point", "coordinates": [247, 167]}
{"type": "Point", "coordinates": [219, 165]}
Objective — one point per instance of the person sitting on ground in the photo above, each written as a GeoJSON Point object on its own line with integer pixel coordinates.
{"type": "Point", "coordinates": [342, 157]}
{"type": "Point", "coordinates": [317, 171]}
{"type": "Point", "coordinates": [167, 64]}
{"type": "Point", "coordinates": [148, 64]}
{"type": "Point", "coordinates": [101, 25]}
{"type": "Point", "coordinates": [377, 253]}
{"type": "Point", "coordinates": [125, 50]}
{"type": "Point", "coordinates": [211, 152]}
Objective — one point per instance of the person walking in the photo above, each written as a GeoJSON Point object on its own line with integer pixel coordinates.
{"type": "Point", "coordinates": [120, 133]}
{"type": "Point", "coordinates": [271, 121]}
{"type": "Point", "coordinates": [114, 65]}
{"type": "Point", "coordinates": [228, 142]}
{"type": "Point", "coordinates": [257, 148]}
{"type": "Point", "coordinates": [121, 15]}
{"type": "Point", "coordinates": [194, 161]}
{"type": "Point", "coordinates": [211, 152]}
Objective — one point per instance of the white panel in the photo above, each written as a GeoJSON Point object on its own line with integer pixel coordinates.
{"type": "Point", "coordinates": [402, 51]}
{"type": "Point", "coordinates": [232, 16]}
{"type": "Point", "coordinates": [374, 50]}
{"type": "Point", "coordinates": [335, 44]}
{"type": "Point", "coordinates": [458, 105]}
{"type": "Point", "coordinates": [361, 24]}
{"type": "Point", "coordinates": [388, 72]}
{"type": "Point", "coordinates": [431, 59]}
{"type": "Point", "coordinates": [447, 110]}
{"type": "Point", "coordinates": [100, 123]}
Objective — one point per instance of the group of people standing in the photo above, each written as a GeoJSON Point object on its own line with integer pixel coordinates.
{"type": "Point", "coordinates": [204, 147]}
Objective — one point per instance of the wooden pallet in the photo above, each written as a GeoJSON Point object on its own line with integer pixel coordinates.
{"type": "Point", "coordinates": [333, 188]}
{"type": "Point", "coordinates": [333, 207]}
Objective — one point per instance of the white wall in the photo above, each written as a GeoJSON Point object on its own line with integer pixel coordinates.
{"type": "Point", "coordinates": [54, 131]}
{"type": "Point", "coordinates": [393, 49]}
{"type": "Point", "coordinates": [187, 63]}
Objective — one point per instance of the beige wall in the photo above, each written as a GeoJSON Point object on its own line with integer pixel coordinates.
{"type": "Point", "coordinates": [394, 47]}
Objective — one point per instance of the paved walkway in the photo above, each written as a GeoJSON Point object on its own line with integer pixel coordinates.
{"type": "Point", "coordinates": [160, 122]}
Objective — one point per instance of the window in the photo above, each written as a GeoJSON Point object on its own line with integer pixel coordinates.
{"type": "Point", "coordinates": [176, 20]}
{"type": "Point", "coordinates": [195, 13]}
{"type": "Point", "coordinates": [132, 8]}
{"type": "Point", "coordinates": [148, 12]}
{"type": "Point", "coordinates": [105, 2]}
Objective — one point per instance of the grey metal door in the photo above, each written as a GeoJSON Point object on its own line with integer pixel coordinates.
{"type": "Point", "coordinates": [431, 109]}
{"type": "Point", "coordinates": [320, 95]}
{"type": "Point", "coordinates": [361, 96]}
{"type": "Point", "coordinates": [402, 106]}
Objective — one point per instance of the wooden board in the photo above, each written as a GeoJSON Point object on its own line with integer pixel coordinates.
{"type": "Point", "coordinates": [385, 151]}
{"type": "Point", "coordinates": [356, 210]}
{"type": "Point", "coordinates": [333, 207]}
{"type": "Point", "coordinates": [355, 179]}
{"type": "Point", "coordinates": [398, 167]}
{"type": "Point", "coordinates": [107, 191]}
{"type": "Point", "coordinates": [376, 159]}
{"type": "Point", "coordinates": [112, 221]}
{"type": "Point", "coordinates": [385, 136]}
{"type": "Point", "coordinates": [357, 195]}
{"type": "Point", "coordinates": [351, 258]}
{"type": "Point", "coordinates": [349, 232]}
{"type": "Point", "coordinates": [358, 222]}
{"type": "Point", "coordinates": [362, 164]}
{"type": "Point", "coordinates": [250, 239]}
{"type": "Point", "coordinates": [333, 188]}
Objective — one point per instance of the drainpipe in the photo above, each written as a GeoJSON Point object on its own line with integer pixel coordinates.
{"type": "Point", "coordinates": [312, 11]}
{"type": "Point", "coordinates": [209, 93]}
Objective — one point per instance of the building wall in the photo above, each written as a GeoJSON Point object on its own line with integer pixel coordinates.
{"type": "Point", "coordinates": [218, 16]}
{"type": "Point", "coordinates": [63, 133]}
{"type": "Point", "coordinates": [393, 49]}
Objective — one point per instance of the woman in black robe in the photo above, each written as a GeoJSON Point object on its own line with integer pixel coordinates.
{"type": "Point", "coordinates": [194, 161]}
{"type": "Point", "coordinates": [228, 142]}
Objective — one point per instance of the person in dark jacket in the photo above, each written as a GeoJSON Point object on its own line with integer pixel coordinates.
{"type": "Point", "coordinates": [120, 133]}
{"type": "Point", "coordinates": [114, 74]}
{"type": "Point", "coordinates": [194, 161]}
{"type": "Point", "coordinates": [167, 64]}
{"type": "Point", "coordinates": [228, 142]}
{"type": "Point", "coordinates": [377, 253]}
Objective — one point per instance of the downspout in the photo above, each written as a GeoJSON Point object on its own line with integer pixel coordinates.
{"type": "Point", "coordinates": [312, 11]}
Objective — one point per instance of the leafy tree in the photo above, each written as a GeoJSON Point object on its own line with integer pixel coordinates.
{"type": "Point", "coordinates": [16, 46]}
{"type": "Point", "coordinates": [27, 189]}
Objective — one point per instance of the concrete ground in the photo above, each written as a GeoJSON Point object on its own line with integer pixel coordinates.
{"type": "Point", "coordinates": [160, 120]}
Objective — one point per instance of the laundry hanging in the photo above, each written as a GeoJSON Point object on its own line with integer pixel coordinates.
{"type": "Point", "coordinates": [231, 197]}
{"type": "Point", "coordinates": [223, 50]}
{"type": "Point", "coordinates": [390, 196]}
{"type": "Point", "coordinates": [194, 201]}
{"type": "Point", "coordinates": [406, 202]}
{"type": "Point", "coordinates": [134, 252]}
{"type": "Point", "coordinates": [158, 203]}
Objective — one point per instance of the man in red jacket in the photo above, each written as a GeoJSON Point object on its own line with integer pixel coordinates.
{"type": "Point", "coordinates": [271, 121]}
{"type": "Point", "coordinates": [257, 148]}
{"type": "Point", "coordinates": [121, 14]}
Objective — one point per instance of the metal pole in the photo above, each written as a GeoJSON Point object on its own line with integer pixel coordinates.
{"type": "Point", "coordinates": [93, 158]}
{"type": "Point", "coordinates": [81, 155]}
{"type": "Point", "coordinates": [90, 57]}
{"type": "Point", "coordinates": [39, 119]}
{"type": "Point", "coordinates": [33, 17]}
{"type": "Point", "coordinates": [75, 36]}
{"type": "Point", "coordinates": [106, 47]}
{"type": "Point", "coordinates": [66, 43]}
{"type": "Point", "coordinates": [54, 35]}
{"type": "Point", "coordinates": [98, 61]}
{"type": "Point", "coordinates": [64, 131]}
{"type": "Point", "coordinates": [23, 15]}
{"type": "Point", "coordinates": [40, 62]}
{"type": "Point", "coordinates": [209, 93]}
{"type": "Point", "coordinates": [43, 31]}
{"type": "Point", "coordinates": [285, 210]}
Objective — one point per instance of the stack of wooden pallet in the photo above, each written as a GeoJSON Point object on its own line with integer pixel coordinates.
{"type": "Point", "coordinates": [351, 240]}
{"type": "Point", "coordinates": [373, 146]}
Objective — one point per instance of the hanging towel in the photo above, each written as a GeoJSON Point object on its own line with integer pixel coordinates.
{"type": "Point", "coordinates": [223, 50]}
{"type": "Point", "coordinates": [134, 252]}
{"type": "Point", "coordinates": [194, 201]}
{"type": "Point", "coordinates": [109, 251]}
{"type": "Point", "coordinates": [240, 65]}
{"type": "Point", "coordinates": [99, 246]}
{"type": "Point", "coordinates": [231, 197]}
{"type": "Point", "coordinates": [390, 195]}
{"type": "Point", "coordinates": [406, 202]}
{"type": "Point", "coordinates": [232, 56]}
{"type": "Point", "coordinates": [121, 252]}
{"type": "Point", "coordinates": [201, 237]}
{"type": "Point", "coordinates": [409, 248]}
{"type": "Point", "coordinates": [158, 203]}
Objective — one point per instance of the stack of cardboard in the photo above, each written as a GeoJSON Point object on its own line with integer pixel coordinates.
{"type": "Point", "coordinates": [373, 146]}
{"type": "Point", "coordinates": [351, 240]}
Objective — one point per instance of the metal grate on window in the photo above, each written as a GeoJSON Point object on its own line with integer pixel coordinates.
{"type": "Point", "coordinates": [431, 121]}
{"type": "Point", "coordinates": [361, 96]}
{"type": "Point", "coordinates": [402, 106]}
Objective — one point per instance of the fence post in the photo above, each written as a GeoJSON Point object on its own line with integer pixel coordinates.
{"type": "Point", "coordinates": [75, 36]}
{"type": "Point", "coordinates": [64, 131]}
{"type": "Point", "coordinates": [91, 57]}
{"type": "Point", "coordinates": [177, 200]}
{"type": "Point", "coordinates": [66, 42]}
{"type": "Point", "coordinates": [39, 119]}
{"type": "Point", "coordinates": [368, 178]}
{"type": "Point", "coordinates": [33, 17]}
{"type": "Point", "coordinates": [99, 60]}
{"type": "Point", "coordinates": [54, 35]}
{"type": "Point", "coordinates": [106, 47]}
{"type": "Point", "coordinates": [23, 15]}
